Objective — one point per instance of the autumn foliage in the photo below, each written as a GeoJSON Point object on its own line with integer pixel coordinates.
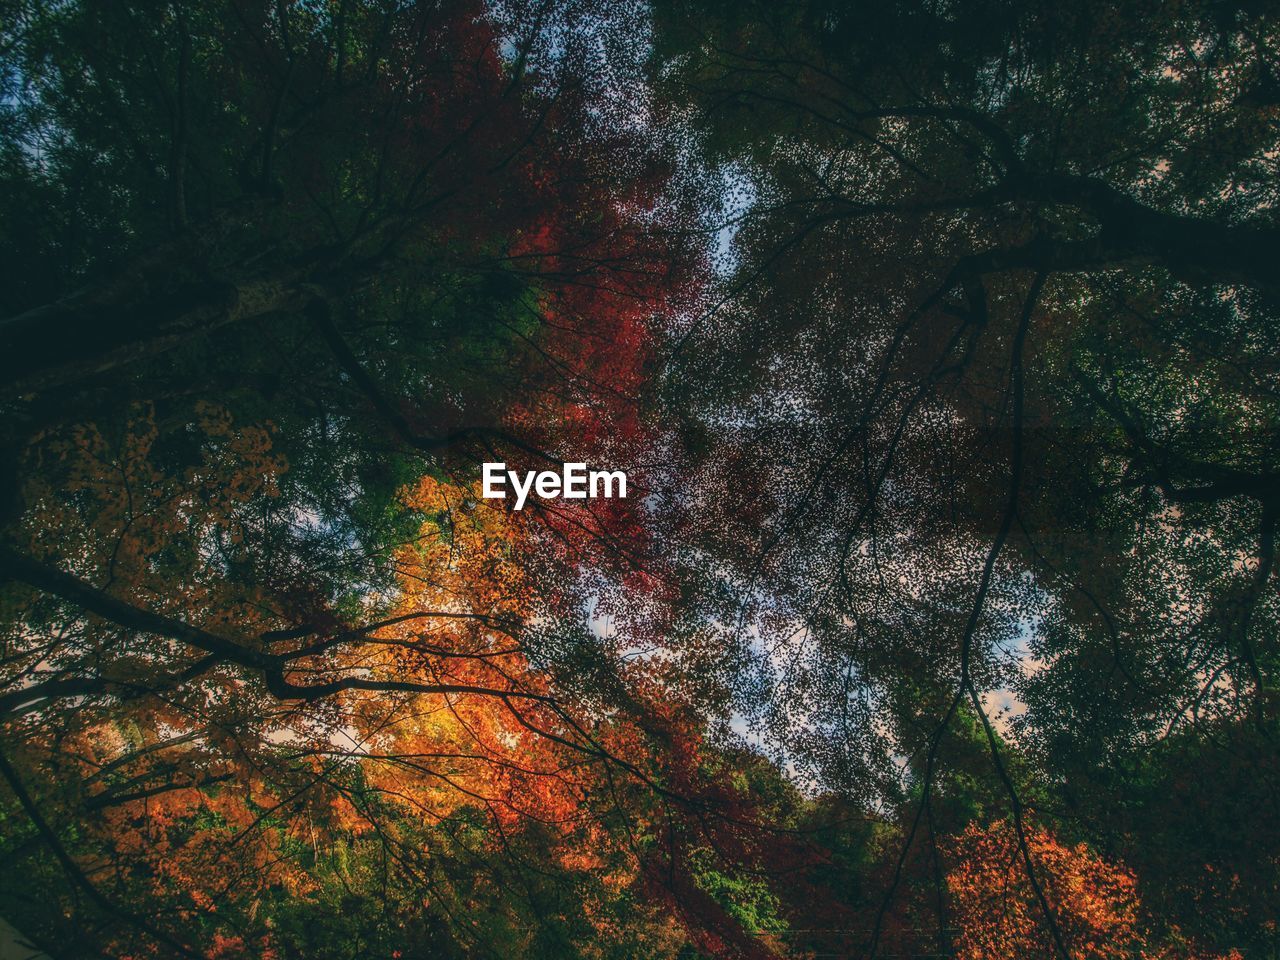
{"type": "Point", "coordinates": [937, 342]}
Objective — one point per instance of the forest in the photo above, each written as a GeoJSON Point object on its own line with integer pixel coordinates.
{"type": "Point", "coordinates": [938, 342]}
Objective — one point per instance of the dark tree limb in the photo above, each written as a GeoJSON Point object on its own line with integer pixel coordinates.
{"type": "Point", "coordinates": [72, 869]}
{"type": "Point", "coordinates": [272, 667]}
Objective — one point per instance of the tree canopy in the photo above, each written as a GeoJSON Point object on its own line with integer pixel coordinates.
{"type": "Point", "coordinates": [939, 343]}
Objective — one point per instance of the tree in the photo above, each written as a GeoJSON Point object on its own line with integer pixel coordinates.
{"type": "Point", "coordinates": [995, 346]}
{"type": "Point", "coordinates": [937, 342]}
{"type": "Point", "coordinates": [1097, 902]}
{"type": "Point", "coordinates": [263, 642]}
